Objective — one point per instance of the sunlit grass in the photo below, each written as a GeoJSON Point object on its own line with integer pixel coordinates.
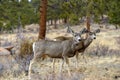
{"type": "Point", "coordinates": [97, 67]}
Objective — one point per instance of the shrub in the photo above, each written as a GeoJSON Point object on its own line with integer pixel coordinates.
{"type": "Point", "coordinates": [25, 54]}
{"type": "Point", "coordinates": [26, 47]}
{"type": "Point", "coordinates": [102, 50]}
{"type": "Point", "coordinates": [98, 50]}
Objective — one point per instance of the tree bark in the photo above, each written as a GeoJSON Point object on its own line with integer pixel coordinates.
{"type": "Point", "coordinates": [43, 11]}
{"type": "Point", "coordinates": [88, 14]}
{"type": "Point", "coordinates": [87, 25]}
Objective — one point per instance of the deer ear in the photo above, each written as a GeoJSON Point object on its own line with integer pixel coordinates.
{"type": "Point", "coordinates": [97, 31]}
{"type": "Point", "coordinates": [69, 30]}
{"type": "Point", "coordinates": [84, 30]}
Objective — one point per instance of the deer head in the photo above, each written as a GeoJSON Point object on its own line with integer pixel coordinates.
{"type": "Point", "coordinates": [76, 36]}
{"type": "Point", "coordinates": [93, 34]}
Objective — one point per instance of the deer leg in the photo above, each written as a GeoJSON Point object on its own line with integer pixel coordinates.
{"type": "Point", "coordinates": [84, 57]}
{"type": "Point", "coordinates": [30, 66]}
{"type": "Point", "coordinates": [68, 66]}
{"type": "Point", "coordinates": [76, 60]}
{"type": "Point", "coordinates": [67, 63]}
{"type": "Point", "coordinates": [53, 65]}
{"type": "Point", "coordinates": [43, 57]}
{"type": "Point", "coordinates": [61, 67]}
{"type": "Point", "coordinates": [31, 63]}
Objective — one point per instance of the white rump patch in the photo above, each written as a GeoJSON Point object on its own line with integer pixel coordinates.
{"type": "Point", "coordinates": [54, 39]}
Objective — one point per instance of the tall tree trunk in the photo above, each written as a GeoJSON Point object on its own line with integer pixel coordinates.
{"type": "Point", "coordinates": [88, 14]}
{"type": "Point", "coordinates": [87, 25]}
{"type": "Point", "coordinates": [43, 10]}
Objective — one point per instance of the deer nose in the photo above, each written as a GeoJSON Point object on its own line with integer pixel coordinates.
{"type": "Point", "coordinates": [94, 37]}
{"type": "Point", "coordinates": [79, 39]}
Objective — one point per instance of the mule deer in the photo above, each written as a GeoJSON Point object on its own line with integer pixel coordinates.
{"type": "Point", "coordinates": [84, 43]}
{"type": "Point", "coordinates": [87, 42]}
{"type": "Point", "coordinates": [57, 49]}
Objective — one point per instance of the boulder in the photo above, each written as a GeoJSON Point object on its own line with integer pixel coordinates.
{"type": "Point", "coordinates": [4, 51]}
{"type": "Point", "coordinates": [7, 62]}
{"type": "Point", "coordinates": [9, 48]}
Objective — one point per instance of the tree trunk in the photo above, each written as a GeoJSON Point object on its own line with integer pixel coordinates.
{"type": "Point", "coordinates": [43, 11]}
{"type": "Point", "coordinates": [51, 22]}
{"type": "Point", "coordinates": [87, 25]}
{"type": "Point", "coordinates": [116, 26]}
{"type": "Point", "coordinates": [55, 24]}
{"type": "Point", "coordinates": [88, 14]}
{"type": "Point", "coordinates": [65, 20]}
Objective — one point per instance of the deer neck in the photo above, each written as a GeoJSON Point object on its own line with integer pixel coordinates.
{"type": "Point", "coordinates": [76, 45]}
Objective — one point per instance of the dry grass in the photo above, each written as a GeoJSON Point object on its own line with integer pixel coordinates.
{"type": "Point", "coordinates": [26, 47]}
{"type": "Point", "coordinates": [101, 66]}
{"type": "Point", "coordinates": [106, 68]}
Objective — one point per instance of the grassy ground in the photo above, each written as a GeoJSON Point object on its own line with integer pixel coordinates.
{"type": "Point", "coordinates": [103, 68]}
{"type": "Point", "coordinates": [95, 68]}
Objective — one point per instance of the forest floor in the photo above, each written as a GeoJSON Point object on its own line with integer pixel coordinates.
{"type": "Point", "coordinates": [102, 66]}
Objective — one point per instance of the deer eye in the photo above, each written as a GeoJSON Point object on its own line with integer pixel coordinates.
{"type": "Point", "coordinates": [90, 33]}
{"type": "Point", "coordinates": [75, 35]}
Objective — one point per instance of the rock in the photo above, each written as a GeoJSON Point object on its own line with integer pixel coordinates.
{"type": "Point", "coordinates": [9, 48]}
{"type": "Point", "coordinates": [7, 62]}
{"type": "Point", "coordinates": [4, 52]}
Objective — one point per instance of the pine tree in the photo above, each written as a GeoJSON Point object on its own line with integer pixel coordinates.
{"type": "Point", "coordinates": [43, 18]}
